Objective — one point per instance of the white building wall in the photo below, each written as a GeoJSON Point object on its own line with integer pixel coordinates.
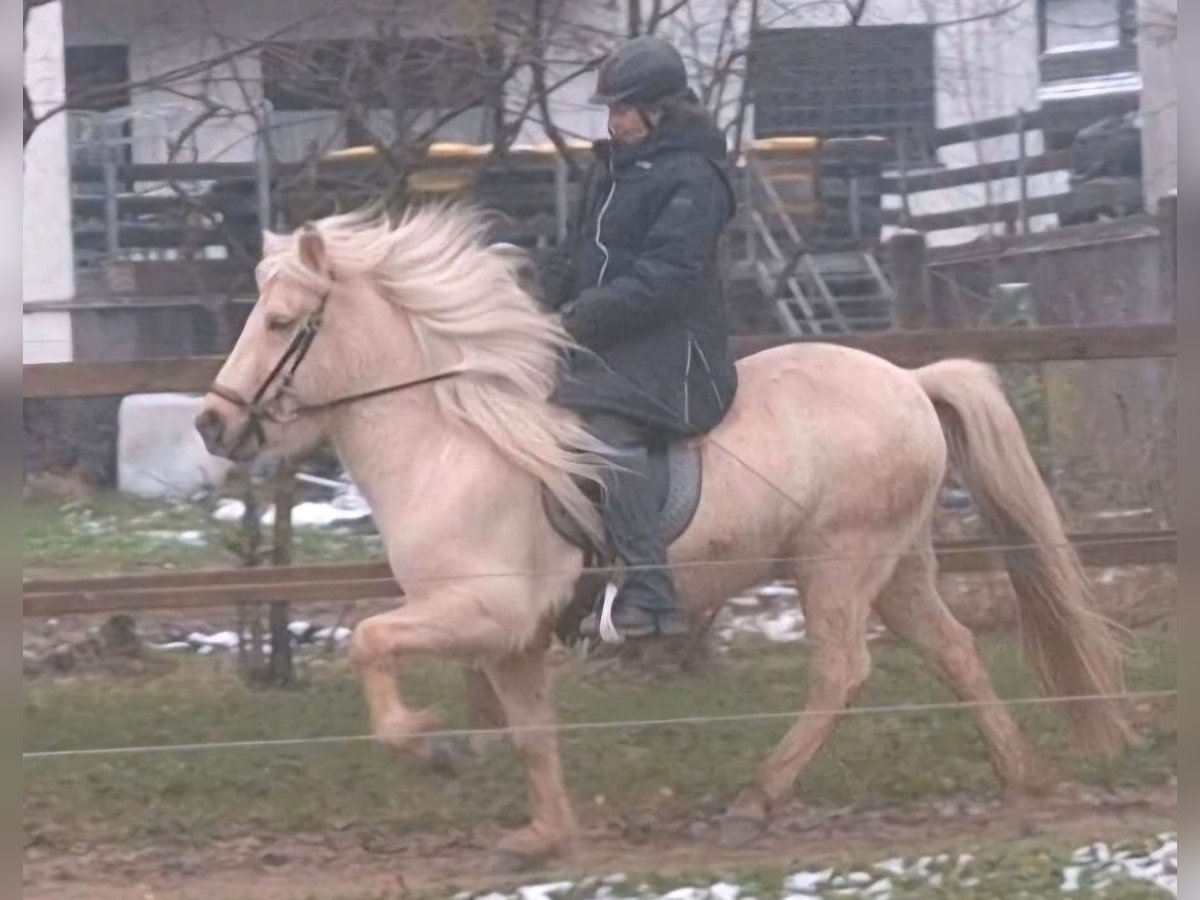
{"type": "Point", "coordinates": [1157, 39]}
{"type": "Point", "coordinates": [47, 261]}
{"type": "Point", "coordinates": [170, 35]}
{"type": "Point", "coordinates": [585, 33]}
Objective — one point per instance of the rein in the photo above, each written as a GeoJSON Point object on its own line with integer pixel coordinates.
{"type": "Point", "coordinates": [257, 411]}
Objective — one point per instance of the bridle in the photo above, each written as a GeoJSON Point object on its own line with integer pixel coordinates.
{"type": "Point", "coordinates": [261, 408]}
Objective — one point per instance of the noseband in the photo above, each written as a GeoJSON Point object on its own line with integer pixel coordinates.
{"type": "Point", "coordinates": [261, 409]}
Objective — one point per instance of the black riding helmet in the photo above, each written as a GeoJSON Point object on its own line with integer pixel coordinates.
{"type": "Point", "coordinates": [642, 70]}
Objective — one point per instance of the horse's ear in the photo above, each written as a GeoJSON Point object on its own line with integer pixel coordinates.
{"type": "Point", "coordinates": [312, 248]}
{"type": "Point", "coordinates": [272, 243]}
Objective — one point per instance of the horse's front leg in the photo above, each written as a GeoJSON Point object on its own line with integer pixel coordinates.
{"type": "Point", "coordinates": [446, 622]}
{"type": "Point", "coordinates": [523, 688]}
{"type": "Point", "coordinates": [456, 622]}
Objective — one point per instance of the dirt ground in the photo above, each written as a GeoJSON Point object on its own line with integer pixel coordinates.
{"type": "Point", "coordinates": [362, 864]}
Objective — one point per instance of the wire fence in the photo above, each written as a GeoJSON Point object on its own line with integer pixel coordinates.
{"type": "Point", "coordinates": [623, 724]}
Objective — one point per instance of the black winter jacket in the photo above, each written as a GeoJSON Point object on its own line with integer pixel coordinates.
{"type": "Point", "coordinates": [638, 286]}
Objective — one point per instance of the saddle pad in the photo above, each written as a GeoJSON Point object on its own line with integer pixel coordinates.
{"type": "Point", "coordinates": [685, 479]}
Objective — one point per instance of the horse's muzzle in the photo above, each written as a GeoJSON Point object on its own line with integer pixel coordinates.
{"type": "Point", "coordinates": [233, 439]}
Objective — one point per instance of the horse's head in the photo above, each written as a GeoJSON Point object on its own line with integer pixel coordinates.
{"type": "Point", "coordinates": [284, 357]}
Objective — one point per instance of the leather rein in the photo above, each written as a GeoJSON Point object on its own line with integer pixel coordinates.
{"type": "Point", "coordinates": [261, 408]}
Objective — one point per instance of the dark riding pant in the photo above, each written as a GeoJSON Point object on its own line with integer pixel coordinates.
{"type": "Point", "coordinates": [630, 514]}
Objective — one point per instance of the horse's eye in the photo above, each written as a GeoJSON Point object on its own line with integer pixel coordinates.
{"type": "Point", "coordinates": [279, 323]}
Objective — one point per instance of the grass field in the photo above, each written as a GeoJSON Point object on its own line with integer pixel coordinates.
{"type": "Point", "coordinates": [661, 770]}
{"type": "Point", "coordinates": [110, 532]}
{"type": "Point", "coordinates": [663, 776]}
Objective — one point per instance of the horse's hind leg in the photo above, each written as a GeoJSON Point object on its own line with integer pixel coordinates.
{"type": "Point", "coordinates": [484, 710]}
{"type": "Point", "coordinates": [837, 598]}
{"type": "Point", "coordinates": [913, 610]}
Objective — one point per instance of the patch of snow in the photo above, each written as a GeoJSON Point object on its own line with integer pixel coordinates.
{"type": "Point", "coordinates": [348, 507]}
{"type": "Point", "coordinates": [807, 881]}
{"type": "Point", "coordinates": [1099, 85]}
{"type": "Point", "coordinates": [551, 891]}
{"type": "Point", "coordinates": [746, 602]}
{"type": "Point", "coordinates": [339, 634]}
{"type": "Point", "coordinates": [1092, 868]}
{"type": "Point", "coordinates": [172, 646]}
{"type": "Point", "coordinates": [777, 590]}
{"type": "Point", "coordinates": [1081, 47]}
{"type": "Point", "coordinates": [229, 510]}
{"type": "Point", "coordinates": [224, 640]}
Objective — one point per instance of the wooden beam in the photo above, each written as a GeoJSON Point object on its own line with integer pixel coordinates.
{"type": "Point", "coordinates": [98, 379]}
{"type": "Point", "coordinates": [1080, 113]}
{"type": "Point", "coordinates": [352, 582]}
{"type": "Point", "coordinates": [246, 577]}
{"type": "Point", "coordinates": [988, 214]}
{"type": "Point", "coordinates": [1096, 549]}
{"type": "Point", "coordinates": [964, 175]}
{"type": "Point", "coordinates": [85, 601]}
{"type": "Point", "coordinates": [999, 345]}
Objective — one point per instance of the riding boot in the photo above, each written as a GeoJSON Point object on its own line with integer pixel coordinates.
{"type": "Point", "coordinates": [646, 601]}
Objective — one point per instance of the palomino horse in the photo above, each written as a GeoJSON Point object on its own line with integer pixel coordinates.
{"type": "Point", "coordinates": [415, 348]}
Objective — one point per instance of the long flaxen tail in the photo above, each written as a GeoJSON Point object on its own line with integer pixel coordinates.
{"type": "Point", "coordinates": [1074, 650]}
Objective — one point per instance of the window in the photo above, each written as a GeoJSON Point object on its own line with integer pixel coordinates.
{"type": "Point", "coordinates": [97, 76]}
{"type": "Point", "coordinates": [1086, 23]}
{"type": "Point", "coordinates": [844, 82]}
{"type": "Point", "coordinates": [97, 82]}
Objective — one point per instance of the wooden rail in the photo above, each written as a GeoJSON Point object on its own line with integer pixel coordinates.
{"type": "Point", "coordinates": [347, 583]}
{"type": "Point", "coordinates": [1034, 120]}
{"type": "Point", "coordinates": [906, 348]}
{"type": "Point", "coordinates": [987, 214]}
{"type": "Point", "coordinates": [964, 175]}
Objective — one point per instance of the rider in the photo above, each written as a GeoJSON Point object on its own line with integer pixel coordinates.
{"type": "Point", "coordinates": [638, 286]}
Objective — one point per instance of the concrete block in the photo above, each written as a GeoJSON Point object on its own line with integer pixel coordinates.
{"type": "Point", "coordinates": [159, 453]}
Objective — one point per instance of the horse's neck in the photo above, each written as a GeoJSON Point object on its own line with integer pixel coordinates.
{"type": "Point", "coordinates": [418, 471]}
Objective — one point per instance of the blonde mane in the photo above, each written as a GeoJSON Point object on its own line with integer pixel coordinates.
{"type": "Point", "coordinates": [464, 301]}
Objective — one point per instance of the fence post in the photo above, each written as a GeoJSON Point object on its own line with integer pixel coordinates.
{"type": "Point", "coordinates": [262, 170]}
{"type": "Point", "coordinates": [1166, 447]}
{"type": "Point", "coordinates": [561, 198]}
{"type": "Point", "coordinates": [902, 163]}
{"type": "Point", "coordinates": [1168, 275]}
{"type": "Point", "coordinates": [1022, 165]}
{"type": "Point", "coordinates": [112, 223]}
{"type": "Point", "coordinates": [910, 279]}
{"type": "Point", "coordinates": [282, 672]}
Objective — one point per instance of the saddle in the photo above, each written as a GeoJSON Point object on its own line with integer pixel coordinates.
{"type": "Point", "coordinates": [676, 478]}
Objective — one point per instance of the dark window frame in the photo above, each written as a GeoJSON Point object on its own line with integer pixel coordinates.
{"type": "Point", "coordinates": [875, 88]}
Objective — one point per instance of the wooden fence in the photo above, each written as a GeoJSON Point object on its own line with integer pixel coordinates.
{"type": "Point", "coordinates": [373, 580]}
{"type": "Point", "coordinates": [905, 348]}
{"type": "Point", "coordinates": [353, 582]}
{"type": "Point", "coordinates": [1014, 213]}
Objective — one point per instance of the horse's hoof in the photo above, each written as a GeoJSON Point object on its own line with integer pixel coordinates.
{"type": "Point", "coordinates": [482, 745]}
{"type": "Point", "coordinates": [441, 754]}
{"type": "Point", "coordinates": [746, 819]}
{"type": "Point", "coordinates": [738, 831]}
{"type": "Point", "coordinates": [509, 862]}
{"type": "Point", "coordinates": [1033, 784]}
{"type": "Point", "coordinates": [526, 849]}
